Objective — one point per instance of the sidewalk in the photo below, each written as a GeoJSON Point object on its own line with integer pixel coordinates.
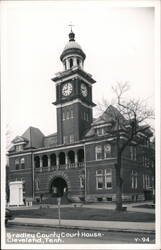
{"type": "Point", "coordinates": [143, 227]}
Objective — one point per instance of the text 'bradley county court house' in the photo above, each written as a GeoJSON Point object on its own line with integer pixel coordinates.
{"type": "Point", "coordinates": [77, 162]}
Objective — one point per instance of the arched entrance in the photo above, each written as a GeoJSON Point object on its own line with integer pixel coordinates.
{"type": "Point", "coordinates": [58, 187]}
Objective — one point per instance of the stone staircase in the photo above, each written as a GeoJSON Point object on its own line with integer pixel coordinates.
{"type": "Point", "coordinates": [53, 200]}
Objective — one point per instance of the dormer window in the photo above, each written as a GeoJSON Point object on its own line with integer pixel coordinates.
{"type": "Point", "coordinates": [19, 148]}
{"type": "Point", "coordinates": [100, 131]}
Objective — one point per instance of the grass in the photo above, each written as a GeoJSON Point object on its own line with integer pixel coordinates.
{"type": "Point", "coordinates": [86, 214]}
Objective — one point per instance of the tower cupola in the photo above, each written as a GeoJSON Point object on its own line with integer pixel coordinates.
{"type": "Point", "coordinates": [72, 55]}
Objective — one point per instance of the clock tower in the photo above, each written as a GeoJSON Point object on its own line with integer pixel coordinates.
{"type": "Point", "coordinates": [73, 94]}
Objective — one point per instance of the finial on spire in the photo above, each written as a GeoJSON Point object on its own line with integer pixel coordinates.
{"type": "Point", "coordinates": [71, 34]}
{"type": "Point", "coordinates": [71, 25]}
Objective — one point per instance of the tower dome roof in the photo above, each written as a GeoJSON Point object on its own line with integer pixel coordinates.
{"type": "Point", "coordinates": [72, 47]}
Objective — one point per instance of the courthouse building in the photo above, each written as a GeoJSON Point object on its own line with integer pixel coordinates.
{"type": "Point", "coordinates": [78, 161]}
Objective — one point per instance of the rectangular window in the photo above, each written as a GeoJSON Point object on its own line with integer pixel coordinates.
{"type": "Point", "coordinates": [134, 180]}
{"type": "Point", "coordinates": [71, 138]}
{"type": "Point", "coordinates": [108, 178]}
{"type": "Point", "coordinates": [71, 114]}
{"type": "Point", "coordinates": [17, 164]}
{"type": "Point", "coordinates": [99, 179]}
{"type": "Point", "coordinates": [133, 153]}
{"type": "Point", "coordinates": [37, 184]}
{"type": "Point", "coordinates": [98, 152]}
{"type": "Point", "coordinates": [107, 151]}
{"type": "Point", "coordinates": [143, 181]}
{"type": "Point", "coordinates": [67, 115]}
{"type": "Point", "coordinates": [148, 181]}
{"type": "Point", "coordinates": [82, 181]}
{"type": "Point", "coordinates": [65, 139]}
{"type": "Point", "coordinates": [145, 161]}
{"type": "Point", "coordinates": [63, 116]}
{"type": "Point", "coordinates": [99, 182]}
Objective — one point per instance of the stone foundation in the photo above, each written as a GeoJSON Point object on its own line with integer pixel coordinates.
{"type": "Point", "coordinates": [112, 197]}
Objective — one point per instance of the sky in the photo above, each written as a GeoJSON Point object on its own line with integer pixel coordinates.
{"type": "Point", "coordinates": [118, 43]}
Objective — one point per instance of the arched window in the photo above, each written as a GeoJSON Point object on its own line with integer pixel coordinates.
{"type": "Point", "coordinates": [107, 151]}
{"type": "Point", "coordinates": [71, 63]}
{"type": "Point", "coordinates": [62, 158]}
{"type": "Point", "coordinates": [71, 157]}
{"type": "Point", "coordinates": [22, 163]}
{"type": "Point", "coordinates": [37, 161]}
{"type": "Point", "coordinates": [78, 62]}
{"type": "Point", "coordinates": [44, 161]}
{"type": "Point", "coordinates": [80, 155]}
{"type": "Point", "coordinates": [65, 65]}
{"type": "Point", "coordinates": [53, 160]}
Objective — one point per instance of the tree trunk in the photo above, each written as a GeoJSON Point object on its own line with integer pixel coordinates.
{"type": "Point", "coordinates": [118, 184]}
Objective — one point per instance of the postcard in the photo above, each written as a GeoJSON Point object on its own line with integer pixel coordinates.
{"type": "Point", "coordinates": [80, 151]}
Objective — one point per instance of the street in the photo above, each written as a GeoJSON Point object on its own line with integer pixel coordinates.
{"type": "Point", "coordinates": [39, 235]}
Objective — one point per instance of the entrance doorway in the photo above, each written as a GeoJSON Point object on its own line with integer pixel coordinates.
{"type": "Point", "coordinates": [58, 187]}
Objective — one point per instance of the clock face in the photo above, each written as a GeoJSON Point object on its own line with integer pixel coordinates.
{"type": "Point", "coordinates": [84, 90]}
{"type": "Point", "coordinates": [67, 89]}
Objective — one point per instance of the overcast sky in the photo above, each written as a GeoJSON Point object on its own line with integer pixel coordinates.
{"type": "Point", "coordinates": [118, 43]}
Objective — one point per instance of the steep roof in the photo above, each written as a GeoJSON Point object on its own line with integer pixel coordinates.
{"type": "Point", "coordinates": [108, 117]}
{"type": "Point", "coordinates": [50, 140]}
{"type": "Point", "coordinates": [34, 136]}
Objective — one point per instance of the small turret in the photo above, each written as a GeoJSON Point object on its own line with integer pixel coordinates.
{"type": "Point", "coordinates": [72, 55]}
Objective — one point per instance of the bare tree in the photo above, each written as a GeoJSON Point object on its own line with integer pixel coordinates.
{"type": "Point", "coordinates": [130, 124]}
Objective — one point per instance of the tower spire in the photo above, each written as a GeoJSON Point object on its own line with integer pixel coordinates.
{"type": "Point", "coordinates": [71, 34]}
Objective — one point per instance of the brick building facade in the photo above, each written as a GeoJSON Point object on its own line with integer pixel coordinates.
{"type": "Point", "coordinates": [78, 162]}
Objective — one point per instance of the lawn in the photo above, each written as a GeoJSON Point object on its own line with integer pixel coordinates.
{"type": "Point", "coordinates": [78, 213]}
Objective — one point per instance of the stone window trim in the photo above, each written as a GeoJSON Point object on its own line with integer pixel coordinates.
{"type": "Point", "coordinates": [71, 139]}
{"type": "Point", "coordinates": [98, 152]}
{"type": "Point", "coordinates": [100, 131]}
{"type": "Point", "coordinates": [99, 179]}
{"type": "Point", "coordinates": [107, 151]}
{"type": "Point", "coordinates": [102, 152]}
{"type": "Point", "coordinates": [22, 162]}
{"type": "Point", "coordinates": [134, 180]}
{"type": "Point", "coordinates": [145, 161]}
{"type": "Point", "coordinates": [37, 184]}
{"type": "Point", "coordinates": [146, 181]}
{"type": "Point", "coordinates": [108, 178]}
{"type": "Point", "coordinates": [82, 181]}
{"type": "Point", "coordinates": [67, 114]}
{"type": "Point", "coordinates": [133, 155]}
{"type": "Point", "coordinates": [17, 164]}
{"type": "Point", "coordinates": [19, 147]}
